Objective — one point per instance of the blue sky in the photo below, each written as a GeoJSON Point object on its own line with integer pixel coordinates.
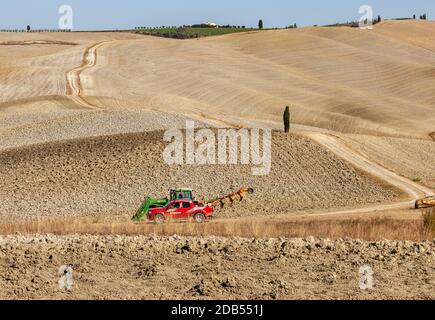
{"type": "Point", "coordinates": [111, 14]}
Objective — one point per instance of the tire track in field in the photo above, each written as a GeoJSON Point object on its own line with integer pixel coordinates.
{"type": "Point", "coordinates": [74, 86]}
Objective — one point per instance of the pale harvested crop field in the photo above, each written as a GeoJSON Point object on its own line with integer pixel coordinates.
{"type": "Point", "coordinates": [342, 79]}
{"type": "Point", "coordinates": [82, 117]}
{"type": "Point", "coordinates": [376, 82]}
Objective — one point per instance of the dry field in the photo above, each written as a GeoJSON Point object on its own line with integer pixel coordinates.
{"type": "Point", "coordinates": [82, 117]}
{"type": "Point", "coordinates": [407, 157]}
{"type": "Point", "coordinates": [111, 175]}
{"type": "Point", "coordinates": [342, 79]}
{"type": "Point", "coordinates": [365, 82]}
{"type": "Point", "coordinates": [366, 228]}
{"type": "Point", "coordinates": [118, 267]}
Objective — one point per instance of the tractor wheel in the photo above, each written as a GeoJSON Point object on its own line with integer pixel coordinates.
{"type": "Point", "coordinates": [159, 219]}
{"type": "Point", "coordinates": [199, 217]}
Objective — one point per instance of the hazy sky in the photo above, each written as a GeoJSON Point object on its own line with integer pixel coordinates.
{"type": "Point", "coordinates": [111, 14]}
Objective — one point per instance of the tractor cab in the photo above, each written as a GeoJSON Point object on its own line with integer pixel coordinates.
{"type": "Point", "coordinates": [181, 193]}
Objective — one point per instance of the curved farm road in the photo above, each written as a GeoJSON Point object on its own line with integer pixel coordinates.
{"type": "Point", "coordinates": [412, 189]}
{"type": "Point", "coordinates": [75, 89]}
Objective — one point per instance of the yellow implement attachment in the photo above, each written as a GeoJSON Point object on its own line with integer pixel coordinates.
{"type": "Point", "coordinates": [425, 203]}
{"type": "Point", "coordinates": [231, 197]}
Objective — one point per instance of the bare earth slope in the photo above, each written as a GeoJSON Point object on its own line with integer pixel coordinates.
{"type": "Point", "coordinates": [111, 174]}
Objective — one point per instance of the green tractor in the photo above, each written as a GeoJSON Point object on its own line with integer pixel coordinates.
{"type": "Point", "coordinates": [150, 203]}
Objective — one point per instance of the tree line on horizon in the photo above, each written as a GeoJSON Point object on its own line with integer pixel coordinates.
{"type": "Point", "coordinates": [189, 26]}
{"type": "Point", "coordinates": [260, 25]}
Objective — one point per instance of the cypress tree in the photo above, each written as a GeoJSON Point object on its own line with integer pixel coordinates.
{"type": "Point", "coordinates": [287, 120]}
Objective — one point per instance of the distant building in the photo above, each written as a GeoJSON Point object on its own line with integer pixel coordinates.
{"type": "Point", "coordinates": [209, 25]}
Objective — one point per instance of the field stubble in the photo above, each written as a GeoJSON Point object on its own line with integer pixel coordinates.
{"type": "Point", "coordinates": [369, 228]}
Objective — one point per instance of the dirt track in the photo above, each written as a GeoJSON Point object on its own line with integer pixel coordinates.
{"type": "Point", "coordinates": [218, 268]}
{"type": "Point", "coordinates": [413, 159]}
{"type": "Point", "coordinates": [413, 190]}
{"type": "Point", "coordinates": [75, 90]}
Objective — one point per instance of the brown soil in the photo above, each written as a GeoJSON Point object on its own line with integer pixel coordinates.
{"type": "Point", "coordinates": [111, 175]}
{"type": "Point", "coordinates": [118, 267]}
